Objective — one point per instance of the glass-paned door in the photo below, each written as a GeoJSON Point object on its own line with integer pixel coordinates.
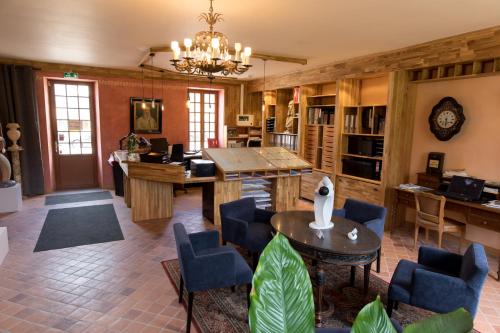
{"type": "Point", "coordinates": [73, 132]}
{"type": "Point", "coordinates": [202, 118]}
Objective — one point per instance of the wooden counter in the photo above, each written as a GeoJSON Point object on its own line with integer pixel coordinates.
{"type": "Point", "coordinates": [148, 187]}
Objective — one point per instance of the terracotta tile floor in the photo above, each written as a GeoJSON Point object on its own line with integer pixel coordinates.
{"type": "Point", "coordinates": [121, 286]}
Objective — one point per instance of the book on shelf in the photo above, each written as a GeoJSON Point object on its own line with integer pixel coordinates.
{"type": "Point", "coordinates": [349, 123]}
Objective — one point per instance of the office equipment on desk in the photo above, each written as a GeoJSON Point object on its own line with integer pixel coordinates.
{"type": "Point", "coordinates": [159, 145]}
{"type": "Point", "coordinates": [254, 142]}
{"type": "Point", "coordinates": [464, 189]}
{"type": "Point", "coordinates": [177, 152]}
{"type": "Point", "coordinates": [202, 168]}
{"type": "Point", "coordinates": [244, 120]}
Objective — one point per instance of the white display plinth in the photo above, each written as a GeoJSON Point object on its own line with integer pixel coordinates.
{"type": "Point", "coordinates": [320, 226]}
{"type": "Point", "coordinates": [4, 244]}
{"type": "Point", "coordinates": [11, 199]}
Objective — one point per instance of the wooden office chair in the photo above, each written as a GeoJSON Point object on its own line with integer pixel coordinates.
{"type": "Point", "coordinates": [430, 216]}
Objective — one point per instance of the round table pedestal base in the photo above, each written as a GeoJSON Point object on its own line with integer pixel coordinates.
{"type": "Point", "coordinates": [324, 311]}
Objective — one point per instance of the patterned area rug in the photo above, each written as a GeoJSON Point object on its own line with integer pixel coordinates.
{"type": "Point", "coordinates": [221, 311]}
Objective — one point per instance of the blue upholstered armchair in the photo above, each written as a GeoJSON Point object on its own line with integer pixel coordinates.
{"type": "Point", "coordinates": [441, 281]}
{"type": "Point", "coordinates": [246, 225]}
{"type": "Point", "coordinates": [206, 265]}
{"type": "Point", "coordinates": [371, 216]}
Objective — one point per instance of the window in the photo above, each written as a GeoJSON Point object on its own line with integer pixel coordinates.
{"type": "Point", "coordinates": [73, 118]}
{"type": "Point", "coordinates": [202, 118]}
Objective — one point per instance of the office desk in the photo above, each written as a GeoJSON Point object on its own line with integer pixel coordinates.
{"type": "Point", "coordinates": [474, 213]}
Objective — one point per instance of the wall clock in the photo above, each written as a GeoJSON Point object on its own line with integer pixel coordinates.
{"type": "Point", "coordinates": [446, 118]}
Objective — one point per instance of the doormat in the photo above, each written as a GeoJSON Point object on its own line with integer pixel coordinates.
{"type": "Point", "coordinates": [69, 227]}
{"type": "Point", "coordinates": [77, 197]}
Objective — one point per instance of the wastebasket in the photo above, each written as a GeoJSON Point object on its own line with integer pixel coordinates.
{"type": "Point", "coordinates": [118, 178]}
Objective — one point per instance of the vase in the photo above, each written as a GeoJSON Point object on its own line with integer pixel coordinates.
{"type": "Point", "coordinates": [14, 134]}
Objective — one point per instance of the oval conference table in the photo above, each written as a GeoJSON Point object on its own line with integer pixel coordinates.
{"type": "Point", "coordinates": [334, 248]}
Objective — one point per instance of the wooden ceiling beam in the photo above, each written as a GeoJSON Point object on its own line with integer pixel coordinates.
{"type": "Point", "coordinates": [257, 55]}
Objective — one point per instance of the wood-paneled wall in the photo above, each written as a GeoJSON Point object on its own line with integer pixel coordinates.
{"type": "Point", "coordinates": [468, 46]}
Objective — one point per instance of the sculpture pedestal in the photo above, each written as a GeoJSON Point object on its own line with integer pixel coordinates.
{"type": "Point", "coordinates": [4, 243]}
{"type": "Point", "coordinates": [318, 226]}
{"type": "Point", "coordinates": [11, 199]}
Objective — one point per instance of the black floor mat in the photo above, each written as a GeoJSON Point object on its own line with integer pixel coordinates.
{"type": "Point", "coordinates": [68, 227]}
{"type": "Point", "coordinates": [77, 197]}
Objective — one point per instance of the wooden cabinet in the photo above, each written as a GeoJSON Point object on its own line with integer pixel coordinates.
{"type": "Point", "coordinates": [346, 187]}
{"type": "Point", "coordinates": [309, 182]}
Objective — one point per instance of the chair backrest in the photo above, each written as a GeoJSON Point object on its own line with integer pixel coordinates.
{"type": "Point", "coordinates": [213, 143]}
{"type": "Point", "coordinates": [429, 208]}
{"type": "Point", "coordinates": [177, 152]}
{"type": "Point", "coordinates": [361, 211]}
{"type": "Point", "coordinates": [474, 269]}
{"type": "Point", "coordinates": [185, 250]}
{"type": "Point", "coordinates": [243, 209]}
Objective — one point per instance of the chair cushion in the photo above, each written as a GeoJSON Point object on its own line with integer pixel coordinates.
{"type": "Point", "coordinates": [258, 235]}
{"type": "Point", "coordinates": [243, 272]}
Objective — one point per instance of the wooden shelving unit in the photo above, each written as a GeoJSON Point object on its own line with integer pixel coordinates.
{"type": "Point", "coordinates": [237, 136]}
{"type": "Point", "coordinates": [482, 67]}
{"type": "Point", "coordinates": [275, 115]}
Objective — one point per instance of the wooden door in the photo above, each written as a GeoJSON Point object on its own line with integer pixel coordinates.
{"type": "Point", "coordinates": [73, 133]}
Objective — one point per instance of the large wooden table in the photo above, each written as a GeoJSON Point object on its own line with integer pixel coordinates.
{"type": "Point", "coordinates": [473, 213]}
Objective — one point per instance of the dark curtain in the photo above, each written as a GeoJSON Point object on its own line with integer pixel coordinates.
{"type": "Point", "coordinates": [18, 105]}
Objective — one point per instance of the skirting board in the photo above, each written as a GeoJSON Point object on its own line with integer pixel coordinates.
{"type": "Point", "coordinates": [4, 243]}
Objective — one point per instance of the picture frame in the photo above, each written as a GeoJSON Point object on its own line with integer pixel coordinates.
{"type": "Point", "coordinates": [146, 119]}
{"type": "Point", "coordinates": [435, 162]}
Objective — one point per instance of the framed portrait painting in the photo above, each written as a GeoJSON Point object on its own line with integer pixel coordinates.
{"type": "Point", "coordinates": [144, 118]}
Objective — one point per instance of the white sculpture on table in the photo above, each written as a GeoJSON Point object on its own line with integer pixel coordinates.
{"type": "Point", "coordinates": [323, 205]}
{"type": "Point", "coordinates": [353, 234]}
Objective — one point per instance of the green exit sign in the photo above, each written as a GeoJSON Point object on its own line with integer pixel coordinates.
{"type": "Point", "coordinates": [70, 75]}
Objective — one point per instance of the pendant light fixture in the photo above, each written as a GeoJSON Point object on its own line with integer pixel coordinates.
{"type": "Point", "coordinates": [264, 89]}
{"type": "Point", "coordinates": [143, 104]}
{"type": "Point", "coordinates": [152, 85]}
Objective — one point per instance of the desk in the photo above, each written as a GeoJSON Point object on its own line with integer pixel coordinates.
{"type": "Point", "coordinates": [475, 213]}
{"type": "Point", "coordinates": [148, 187]}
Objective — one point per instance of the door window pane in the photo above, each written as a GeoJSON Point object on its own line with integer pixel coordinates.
{"type": "Point", "coordinates": [71, 90]}
{"type": "Point", "coordinates": [72, 102]}
{"type": "Point", "coordinates": [64, 149]}
{"type": "Point", "coordinates": [84, 102]}
{"type": "Point", "coordinates": [83, 90]}
{"type": "Point", "coordinates": [60, 102]}
{"type": "Point", "coordinates": [60, 89]}
{"type": "Point", "coordinates": [73, 114]}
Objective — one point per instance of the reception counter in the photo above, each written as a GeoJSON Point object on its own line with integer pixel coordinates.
{"type": "Point", "coordinates": [270, 174]}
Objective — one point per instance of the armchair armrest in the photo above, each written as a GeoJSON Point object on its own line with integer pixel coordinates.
{"type": "Point", "coordinates": [234, 230]}
{"type": "Point", "coordinates": [204, 239]}
{"type": "Point", "coordinates": [440, 259]}
{"type": "Point", "coordinates": [209, 271]}
{"type": "Point", "coordinates": [377, 226]}
{"type": "Point", "coordinates": [263, 216]}
{"type": "Point", "coordinates": [339, 212]}
{"type": "Point", "coordinates": [428, 287]}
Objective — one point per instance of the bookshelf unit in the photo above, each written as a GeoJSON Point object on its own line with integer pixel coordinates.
{"type": "Point", "coordinates": [237, 136]}
{"type": "Point", "coordinates": [275, 111]}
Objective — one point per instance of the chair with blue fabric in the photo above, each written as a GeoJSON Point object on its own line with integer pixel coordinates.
{"type": "Point", "coordinates": [441, 281]}
{"type": "Point", "coordinates": [204, 265]}
{"type": "Point", "coordinates": [246, 225]}
{"type": "Point", "coordinates": [371, 216]}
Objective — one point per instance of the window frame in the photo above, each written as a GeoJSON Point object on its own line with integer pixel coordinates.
{"type": "Point", "coordinates": [202, 93]}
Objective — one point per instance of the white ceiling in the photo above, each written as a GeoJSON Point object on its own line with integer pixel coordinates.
{"type": "Point", "coordinates": [116, 33]}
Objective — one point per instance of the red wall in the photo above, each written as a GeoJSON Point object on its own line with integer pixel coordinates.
{"type": "Point", "coordinates": [113, 117]}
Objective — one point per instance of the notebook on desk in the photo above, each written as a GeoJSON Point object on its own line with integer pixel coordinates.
{"type": "Point", "coordinates": [464, 189]}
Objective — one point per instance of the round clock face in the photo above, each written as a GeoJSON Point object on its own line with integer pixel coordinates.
{"type": "Point", "coordinates": [446, 118]}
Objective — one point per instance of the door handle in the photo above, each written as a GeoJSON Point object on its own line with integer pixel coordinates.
{"type": "Point", "coordinates": [56, 146]}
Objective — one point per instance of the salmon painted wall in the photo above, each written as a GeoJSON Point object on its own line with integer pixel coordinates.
{"type": "Point", "coordinates": [113, 116]}
{"type": "Point", "coordinates": [476, 148]}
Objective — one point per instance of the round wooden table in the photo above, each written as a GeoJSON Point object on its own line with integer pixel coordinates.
{"type": "Point", "coordinates": [334, 248]}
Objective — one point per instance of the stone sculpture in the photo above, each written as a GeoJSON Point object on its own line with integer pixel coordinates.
{"type": "Point", "coordinates": [5, 168]}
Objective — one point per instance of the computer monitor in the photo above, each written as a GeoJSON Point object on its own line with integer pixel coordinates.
{"type": "Point", "coordinates": [466, 188]}
{"type": "Point", "coordinates": [159, 145]}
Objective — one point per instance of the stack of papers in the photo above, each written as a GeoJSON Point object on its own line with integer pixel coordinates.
{"type": "Point", "coordinates": [414, 187]}
{"type": "Point", "coordinates": [493, 204]}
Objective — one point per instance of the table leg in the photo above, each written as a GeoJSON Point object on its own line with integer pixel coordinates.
{"type": "Point", "coordinates": [367, 277]}
{"type": "Point", "coordinates": [320, 283]}
{"type": "Point", "coordinates": [353, 275]}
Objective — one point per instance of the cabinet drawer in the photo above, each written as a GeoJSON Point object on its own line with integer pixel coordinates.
{"type": "Point", "coordinates": [309, 182]}
{"type": "Point", "coordinates": [485, 219]}
{"type": "Point", "coordinates": [356, 189]}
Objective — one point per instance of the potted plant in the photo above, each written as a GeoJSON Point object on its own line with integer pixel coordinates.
{"type": "Point", "coordinates": [282, 300]}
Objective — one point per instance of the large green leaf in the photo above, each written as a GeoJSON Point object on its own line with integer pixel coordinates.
{"type": "Point", "coordinates": [281, 298]}
{"type": "Point", "coordinates": [373, 319]}
{"type": "Point", "coordinates": [458, 321]}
